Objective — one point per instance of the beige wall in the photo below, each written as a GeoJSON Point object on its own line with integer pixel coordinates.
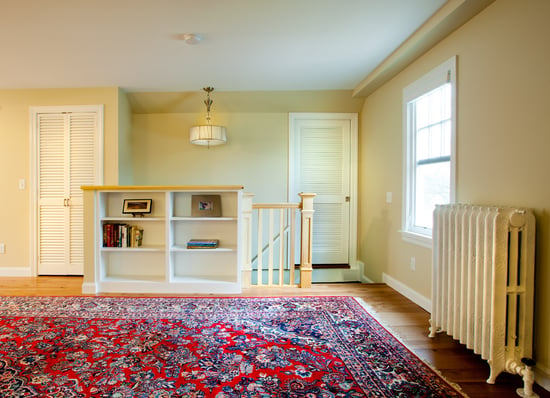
{"type": "Point", "coordinates": [15, 161]}
{"type": "Point", "coordinates": [125, 156]}
{"type": "Point", "coordinates": [503, 141]}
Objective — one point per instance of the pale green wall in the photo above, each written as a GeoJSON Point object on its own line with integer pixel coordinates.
{"type": "Point", "coordinates": [503, 139]}
{"type": "Point", "coordinates": [256, 153]}
{"type": "Point", "coordinates": [15, 161]}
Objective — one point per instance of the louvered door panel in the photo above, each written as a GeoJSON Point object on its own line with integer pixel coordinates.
{"type": "Point", "coordinates": [51, 157]}
{"type": "Point", "coordinates": [82, 152]}
{"type": "Point", "coordinates": [82, 172]}
{"type": "Point", "coordinates": [67, 160]}
{"type": "Point", "coordinates": [53, 217]}
{"type": "Point", "coordinates": [329, 234]}
{"type": "Point", "coordinates": [76, 239]}
{"type": "Point", "coordinates": [53, 246]}
{"type": "Point", "coordinates": [323, 169]}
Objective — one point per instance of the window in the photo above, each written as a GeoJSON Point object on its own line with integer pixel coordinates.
{"type": "Point", "coordinates": [429, 114]}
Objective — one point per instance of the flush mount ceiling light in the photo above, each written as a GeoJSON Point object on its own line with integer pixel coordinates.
{"type": "Point", "coordinates": [208, 134]}
{"type": "Point", "coordinates": [190, 38]}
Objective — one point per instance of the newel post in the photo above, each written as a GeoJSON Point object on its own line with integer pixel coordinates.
{"type": "Point", "coordinates": [306, 239]}
{"type": "Point", "coordinates": [246, 266]}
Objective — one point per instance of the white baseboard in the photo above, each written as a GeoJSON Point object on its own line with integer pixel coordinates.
{"type": "Point", "coordinates": [352, 274]}
{"type": "Point", "coordinates": [542, 376]}
{"type": "Point", "coordinates": [409, 293]}
{"type": "Point", "coordinates": [89, 288]}
{"type": "Point", "coordinates": [361, 271]}
{"type": "Point", "coordinates": [15, 271]}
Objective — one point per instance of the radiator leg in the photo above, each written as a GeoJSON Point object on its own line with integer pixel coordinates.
{"type": "Point", "coordinates": [493, 373]}
{"type": "Point", "coordinates": [526, 371]}
{"type": "Point", "coordinates": [433, 329]}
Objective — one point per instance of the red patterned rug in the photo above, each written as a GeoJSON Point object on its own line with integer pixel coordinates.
{"type": "Point", "coordinates": [204, 347]}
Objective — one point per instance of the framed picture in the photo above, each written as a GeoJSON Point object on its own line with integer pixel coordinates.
{"type": "Point", "coordinates": [137, 206]}
{"type": "Point", "coordinates": [206, 206]}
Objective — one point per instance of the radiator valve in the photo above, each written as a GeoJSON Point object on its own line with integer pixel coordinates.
{"type": "Point", "coordinates": [526, 371]}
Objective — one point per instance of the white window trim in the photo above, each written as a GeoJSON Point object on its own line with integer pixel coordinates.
{"type": "Point", "coordinates": [433, 79]}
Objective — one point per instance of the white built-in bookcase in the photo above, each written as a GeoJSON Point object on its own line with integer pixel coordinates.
{"type": "Point", "coordinates": [163, 264]}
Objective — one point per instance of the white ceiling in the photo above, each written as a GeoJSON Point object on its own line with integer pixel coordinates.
{"type": "Point", "coordinates": [248, 45]}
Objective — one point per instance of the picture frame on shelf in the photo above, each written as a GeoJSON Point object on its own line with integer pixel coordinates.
{"type": "Point", "coordinates": [206, 206]}
{"type": "Point", "coordinates": [137, 206]}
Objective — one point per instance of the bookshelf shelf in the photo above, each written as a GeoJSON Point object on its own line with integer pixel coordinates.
{"type": "Point", "coordinates": [217, 249]}
{"type": "Point", "coordinates": [163, 263]}
{"type": "Point", "coordinates": [133, 249]}
{"type": "Point", "coordinates": [132, 219]}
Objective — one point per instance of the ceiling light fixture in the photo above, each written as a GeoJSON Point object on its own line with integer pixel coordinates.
{"type": "Point", "coordinates": [208, 134]}
{"type": "Point", "coordinates": [190, 38]}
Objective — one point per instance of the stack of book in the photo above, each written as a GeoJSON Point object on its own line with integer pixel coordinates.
{"type": "Point", "coordinates": [122, 235]}
{"type": "Point", "coordinates": [202, 244]}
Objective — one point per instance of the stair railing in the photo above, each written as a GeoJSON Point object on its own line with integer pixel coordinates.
{"type": "Point", "coordinates": [271, 229]}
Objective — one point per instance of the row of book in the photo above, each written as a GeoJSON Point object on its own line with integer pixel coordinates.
{"type": "Point", "coordinates": [202, 243]}
{"type": "Point", "coordinates": [122, 235]}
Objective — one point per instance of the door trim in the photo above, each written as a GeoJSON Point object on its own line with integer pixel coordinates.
{"type": "Point", "coordinates": [353, 118]}
{"type": "Point", "coordinates": [33, 171]}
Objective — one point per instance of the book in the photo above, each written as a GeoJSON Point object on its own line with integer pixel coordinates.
{"type": "Point", "coordinates": [122, 235]}
{"type": "Point", "coordinates": [202, 244]}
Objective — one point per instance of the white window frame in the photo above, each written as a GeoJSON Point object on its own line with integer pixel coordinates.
{"type": "Point", "coordinates": [444, 73]}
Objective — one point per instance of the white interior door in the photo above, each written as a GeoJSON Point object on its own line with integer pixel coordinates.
{"type": "Point", "coordinates": [67, 149]}
{"type": "Point", "coordinates": [321, 163]}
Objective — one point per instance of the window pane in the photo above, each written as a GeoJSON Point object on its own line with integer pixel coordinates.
{"type": "Point", "coordinates": [446, 139]}
{"type": "Point", "coordinates": [435, 141]}
{"type": "Point", "coordinates": [446, 101]}
{"type": "Point", "coordinates": [422, 110]}
{"type": "Point", "coordinates": [430, 114]}
{"type": "Point", "coordinates": [423, 144]}
{"type": "Point", "coordinates": [432, 187]}
{"type": "Point", "coordinates": [436, 105]}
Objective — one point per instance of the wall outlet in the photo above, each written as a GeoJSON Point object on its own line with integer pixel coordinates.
{"type": "Point", "coordinates": [2, 248]}
{"type": "Point", "coordinates": [413, 264]}
{"type": "Point", "coordinates": [389, 197]}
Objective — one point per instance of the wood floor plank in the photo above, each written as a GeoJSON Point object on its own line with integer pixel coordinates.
{"type": "Point", "coordinates": [395, 312]}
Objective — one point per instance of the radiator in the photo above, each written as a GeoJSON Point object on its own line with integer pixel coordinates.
{"type": "Point", "coordinates": [483, 283]}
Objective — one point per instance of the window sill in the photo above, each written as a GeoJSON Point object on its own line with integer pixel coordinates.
{"type": "Point", "coordinates": [417, 239]}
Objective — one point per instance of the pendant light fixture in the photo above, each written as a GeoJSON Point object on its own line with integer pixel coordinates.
{"type": "Point", "coordinates": [208, 134]}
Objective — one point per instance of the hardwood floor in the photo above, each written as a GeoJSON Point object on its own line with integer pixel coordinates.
{"type": "Point", "coordinates": [398, 314]}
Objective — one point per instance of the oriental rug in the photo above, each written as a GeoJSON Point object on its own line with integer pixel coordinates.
{"type": "Point", "coordinates": [204, 347]}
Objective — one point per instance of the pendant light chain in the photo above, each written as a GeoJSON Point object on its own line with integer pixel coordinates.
{"type": "Point", "coordinates": [208, 102]}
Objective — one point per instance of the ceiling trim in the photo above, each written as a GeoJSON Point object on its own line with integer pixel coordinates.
{"type": "Point", "coordinates": [446, 20]}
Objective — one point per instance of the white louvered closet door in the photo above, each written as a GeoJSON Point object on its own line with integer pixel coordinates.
{"type": "Point", "coordinates": [322, 166]}
{"type": "Point", "coordinates": [67, 159]}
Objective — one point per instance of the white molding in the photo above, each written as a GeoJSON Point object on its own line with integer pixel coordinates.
{"type": "Point", "coordinates": [542, 376]}
{"type": "Point", "coordinates": [89, 288]}
{"type": "Point", "coordinates": [352, 274]}
{"type": "Point", "coordinates": [406, 291]}
{"type": "Point", "coordinates": [441, 24]}
{"type": "Point", "coordinates": [361, 272]}
{"type": "Point", "coordinates": [417, 239]}
{"type": "Point", "coordinates": [441, 74]}
{"type": "Point", "coordinates": [33, 167]}
{"type": "Point", "coordinates": [16, 271]}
